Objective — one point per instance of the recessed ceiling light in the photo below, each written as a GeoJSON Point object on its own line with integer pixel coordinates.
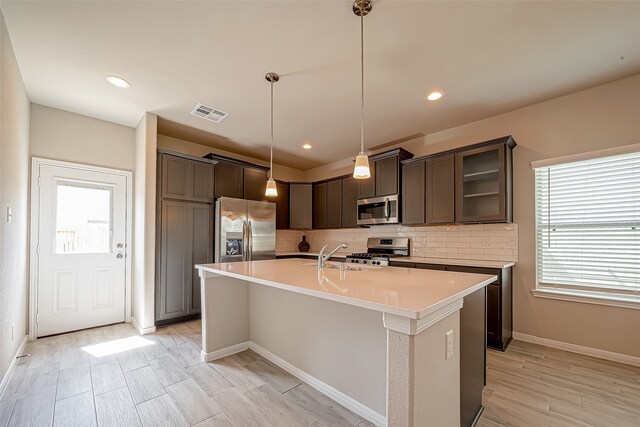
{"type": "Point", "coordinates": [434, 96]}
{"type": "Point", "coordinates": [117, 81]}
{"type": "Point", "coordinates": [307, 146]}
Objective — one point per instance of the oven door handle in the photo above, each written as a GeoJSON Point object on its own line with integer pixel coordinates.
{"type": "Point", "coordinates": [387, 209]}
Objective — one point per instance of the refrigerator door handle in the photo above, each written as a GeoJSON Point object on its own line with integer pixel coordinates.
{"type": "Point", "coordinates": [250, 242]}
{"type": "Point", "coordinates": [244, 240]}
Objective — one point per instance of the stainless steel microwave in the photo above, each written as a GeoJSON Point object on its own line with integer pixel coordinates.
{"type": "Point", "coordinates": [379, 210]}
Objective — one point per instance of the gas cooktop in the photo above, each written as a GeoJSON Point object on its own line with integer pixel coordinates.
{"type": "Point", "coordinates": [380, 250]}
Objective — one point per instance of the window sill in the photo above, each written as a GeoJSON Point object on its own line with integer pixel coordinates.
{"type": "Point", "coordinates": [586, 297]}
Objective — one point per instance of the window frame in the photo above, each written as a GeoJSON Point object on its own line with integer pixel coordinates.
{"type": "Point", "coordinates": [603, 296]}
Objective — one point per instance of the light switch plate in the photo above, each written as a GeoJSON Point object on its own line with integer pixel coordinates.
{"type": "Point", "coordinates": [449, 345]}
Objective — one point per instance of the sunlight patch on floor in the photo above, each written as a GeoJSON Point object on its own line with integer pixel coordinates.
{"type": "Point", "coordinates": [117, 346]}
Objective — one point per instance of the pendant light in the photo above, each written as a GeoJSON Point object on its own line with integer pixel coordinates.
{"type": "Point", "coordinates": [361, 170]}
{"type": "Point", "coordinates": [272, 190]}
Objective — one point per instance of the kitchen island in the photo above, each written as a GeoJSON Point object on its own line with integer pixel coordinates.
{"type": "Point", "coordinates": [382, 341]}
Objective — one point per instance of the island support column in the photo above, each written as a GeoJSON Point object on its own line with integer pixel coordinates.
{"type": "Point", "coordinates": [225, 315]}
{"type": "Point", "coordinates": [423, 385]}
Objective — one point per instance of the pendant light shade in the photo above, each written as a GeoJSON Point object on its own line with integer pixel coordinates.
{"type": "Point", "coordinates": [272, 190]}
{"type": "Point", "coordinates": [361, 169]}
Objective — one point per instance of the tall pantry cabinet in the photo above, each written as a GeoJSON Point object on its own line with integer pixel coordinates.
{"type": "Point", "coordinates": [184, 233]}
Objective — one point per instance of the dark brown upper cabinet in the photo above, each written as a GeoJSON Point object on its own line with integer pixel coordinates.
{"type": "Point", "coordinates": [483, 184]}
{"type": "Point", "coordinates": [186, 179]}
{"type": "Point", "coordinates": [320, 205]}
{"type": "Point", "coordinates": [229, 180]}
{"type": "Point", "coordinates": [349, 206]}
{"type": "Point", "coordinates": [334, 203]}
{"type": "Point", "coordinates": [470, 184]}
{"type": "Point", "coordinates": [300, 205]}
{"type": "Point", "coordinates": [239, 179]}
{"type": "Point", "coordinates": [255, 184]}
{"type": "Point", "coordinates": [413, 193]}
{"type": "Point", "coordinates": [282, 205]}
{"type": "Point", "coordinates": [440, 185]}
{"type": "Point", "coordinates": [367, 187]}
{"type": "Point", "coordinates": [385, 177]}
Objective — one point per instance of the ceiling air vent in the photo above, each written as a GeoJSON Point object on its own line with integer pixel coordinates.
{"type": "Point", "coordinates": [209, 113]}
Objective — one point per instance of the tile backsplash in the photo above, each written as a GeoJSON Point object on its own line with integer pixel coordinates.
{"type": "Point", "coordinates": [497, 242]}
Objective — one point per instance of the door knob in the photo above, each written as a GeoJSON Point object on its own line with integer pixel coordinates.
{"type": "Point", "coordinates": [119, 256]}
{"type": "Point", "coordinates": [119, 245]}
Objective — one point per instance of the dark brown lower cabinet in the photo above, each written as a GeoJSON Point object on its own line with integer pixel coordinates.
{"type": "Point", "coordinates": [499, 304]}
{"type": "Point", "coordinates": [499, 301]}
{"type": "Point", "coordinates": [473, 356]}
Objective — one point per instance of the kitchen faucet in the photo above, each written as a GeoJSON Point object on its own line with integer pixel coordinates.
{"type": "Point", "coordinates": [322, 259]}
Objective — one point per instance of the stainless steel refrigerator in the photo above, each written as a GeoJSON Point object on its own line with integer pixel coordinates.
{"type": "Point", "coordinates": [245, 230]}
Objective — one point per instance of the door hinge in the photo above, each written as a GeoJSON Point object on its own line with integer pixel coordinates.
{"type": "Point", "coordinates": [38, 180]}
{"type": "Point", "coordinates": [37, 318]}
{"type": "Point", "coordinates": [38, 249]}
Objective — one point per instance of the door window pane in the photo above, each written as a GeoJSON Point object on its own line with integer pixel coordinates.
{"type": "Point", "coordinates": [83, 218]}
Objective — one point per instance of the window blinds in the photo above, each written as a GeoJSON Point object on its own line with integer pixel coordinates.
{"type": "Point", "coordinates": [588, 225]}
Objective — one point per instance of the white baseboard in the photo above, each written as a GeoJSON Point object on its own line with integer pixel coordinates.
{"type": "Point", "coordinates": [227, 351]}
{"type": "Point", "coordinates": [587, 351]}
{"type": "Point", "coordinates": [141, 330]}
{"type": "Point", "coordinates": [324, 388]}
{"type": "Point", "coordinates": [12, 367]}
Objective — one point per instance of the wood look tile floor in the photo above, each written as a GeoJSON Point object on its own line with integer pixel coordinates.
{"type": "Point", "coordinates": [158, 380]}
{"type": "Point", "coordinates": [533, 385]}
{"type": "Point", "coordinates": [111, 376]}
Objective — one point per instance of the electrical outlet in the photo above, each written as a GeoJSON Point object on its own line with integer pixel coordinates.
{"type": "Point", "coordinates": [449, 345]}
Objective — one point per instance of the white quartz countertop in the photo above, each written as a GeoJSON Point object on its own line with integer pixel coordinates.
{"type": "Point", "coordinates": [454, 261]}
{"type": "Point", "coordinates": [406, 292]}
{"type": "Point", "coordinates": [422, 260]}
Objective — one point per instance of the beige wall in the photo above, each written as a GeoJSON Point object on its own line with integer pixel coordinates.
{"type": "Point", "coordinates": [61, 135]}
{"type": "Point", "coordinates": [14, 192]}
{"type": "Point", "coordinates": [601, 117]}
{"type": "Point", "coordinates": [144, 196]}
{"type": "Point", "coordinates": [280, 172]}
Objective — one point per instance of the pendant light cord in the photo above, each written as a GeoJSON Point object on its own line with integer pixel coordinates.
{"type": "Point", "coordinates": [271, 161]}
{"type": "Point", "coordinates": [362, 83]}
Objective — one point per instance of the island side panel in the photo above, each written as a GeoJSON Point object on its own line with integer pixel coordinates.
{"type": "Point", "coordinates": [341, 345]}
{"type": "Point", "coordinates": [225, 315]}
{"type": "Point", "coordinates": [424, 386]}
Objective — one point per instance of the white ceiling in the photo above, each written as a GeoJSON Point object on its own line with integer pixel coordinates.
{"type": "Point", "coordinates": [488, 58]}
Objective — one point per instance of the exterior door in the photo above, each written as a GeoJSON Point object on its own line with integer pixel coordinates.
{"type": "Point", "coordinates": [81, 251]}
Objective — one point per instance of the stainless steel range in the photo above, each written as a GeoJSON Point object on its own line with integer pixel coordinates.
{"type": "Point", "coordinates": [380, 250]}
